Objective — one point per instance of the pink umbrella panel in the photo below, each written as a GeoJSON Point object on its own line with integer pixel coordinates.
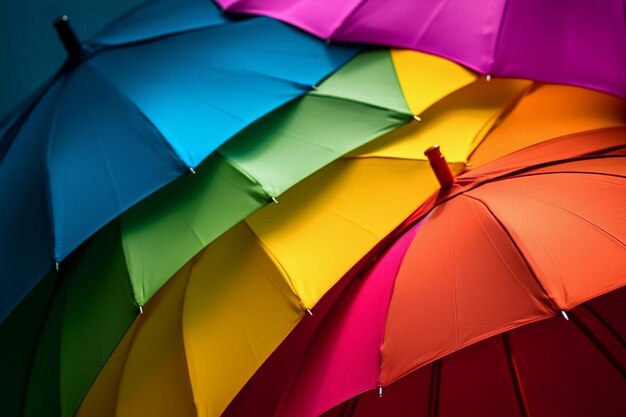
{"type": "Point", "coordinates": [561, 41]}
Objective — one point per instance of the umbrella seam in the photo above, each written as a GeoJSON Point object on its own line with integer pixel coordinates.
{"type": "Point", "coordinates": [342, 20]}
{"type": "Point", "coordinates": [57, 288]}
{"type": "Point", "coordinates": [444, 353]}
{"type": "Point", "coordinates": [397, 268]}
{"type": "Point", "coordinates": [501, 115]}
{"type": "Point", "coordinates": [99, 47]}
{"type": "Point", "coordinates": [137, 320]}
{"type": "Point", "coordinates": [18, 123]}
{"type": "Point", "coordinates": [429, 23]}
{"type": "Point", "coordinates": [605, 232]}
{"type": "Point", "coordinates": [453, 280]}
{"type": "Point", "coordinates": [592, 154]}
{"type": "Point", "coordinates": [51, 135]}
{"type": "Point", "coordinates": [496, 46]}
{"type": "Point", "coordinates": [182, 334]}
{"type": "Point", "coordinates": [178, 158]}
{"type": "Point", "coordinates": [275, 261]}
{"type": "Point", "coordinates": [532, 174]}
{"type": "Point", "coordinates": [323, 95]}
{"type": "Point", "coordinates": [533, 274]}
{"type": "Point", "coordinates": [245, 174]}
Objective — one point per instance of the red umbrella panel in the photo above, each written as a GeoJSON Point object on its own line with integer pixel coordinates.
{"type": "Point", "coordinates": [552, 367]}
{"type": "Point", "coordinates": [526, 238]}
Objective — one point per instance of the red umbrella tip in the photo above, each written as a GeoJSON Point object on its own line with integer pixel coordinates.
{"type": "Point", "coordinates": [439, 166]}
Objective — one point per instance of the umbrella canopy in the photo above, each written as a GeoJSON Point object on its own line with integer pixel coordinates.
{"type": "Point", "coordinates": [374, 93]}
{"type": "Point", "coordinates": [552, 367]}
{"type": "Point", "coordinates": [158, 90]}
{"type": "Point", "coordinates": [513, 242]}
{"type": "Point", "coordinates": [95, 285]}
{"type": "Point", "coordinates": [558, 41]}
{"type": "Point", "coordinates": [94, 304]}
{"type": "Point", "coordinates": [251, 286]}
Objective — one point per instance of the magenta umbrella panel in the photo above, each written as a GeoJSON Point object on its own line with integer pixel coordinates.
{"type": "Point", "coordinates": [562, 41]}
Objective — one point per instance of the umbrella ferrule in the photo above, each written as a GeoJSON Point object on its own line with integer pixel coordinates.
{"type": "Point", "coordinates": [564, 314]}
{"type": "Point", "coordinates": [68, 37]}
{"type": "Point", "coordinates": [380, 391]}
{"type": "Point", "coordinates": [439, 166]}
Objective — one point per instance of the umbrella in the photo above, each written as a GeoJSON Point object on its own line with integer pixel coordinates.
{"type": "Point", "coordinates": [374, 93]}
{"type": "Point", "coordinates": [552, 367]}
{"type": "Point", "coordinates": [564, 41]}
{"type": "Point", "coordinates": [95, 285]}
{"type": "Point", "coordinates": [511, 243]}
{"type": "Point", "coordinates": [240, 291]}
{"type": "Point", "coordinates": [160, 89]}
{"type": "Point", "coordinates": [250, 287]}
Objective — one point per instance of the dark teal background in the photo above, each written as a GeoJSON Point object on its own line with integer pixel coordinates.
{"type": "Point", "coordinates": [30, 51]}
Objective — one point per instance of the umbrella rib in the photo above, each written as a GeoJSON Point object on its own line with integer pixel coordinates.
{"type": "Point", "coordinates": [597, 343]}
{"type": "Point", "coordinates": [100, 47]}
{"type": "Point", "coordinates": [515, 376]}
{"type": "Point", "coordinates": [435, 385]}
{"type": "Point", "coordinates": [345, 18]}
{"type": "Point", "coordinates": [349, 408]}
{"type": "Point", "coordinates": [605, 323]}
{"type": "Point", "coordinates": [322, 95]}
{"type": "Point", "coordinates": [496, 44]}
{"type": "Point", "coordinates": [528, 170]}
{"type": "Point", "coordinates": [274, 259]}
{"type": "Point", "coordinates": [48, 179]}
{"type": "Point", "coordinates": [518, 250]}
{"type": "Point", "coordinates": [123, 96]}
{"type": "Point", "coordinates": [135, 330]}
{"type": "Point", "coordinates": [40, 329]}
{"type": "Point", "coordinates": [6, 140]}
{"type": "Point", "coordinates": [434, 15]}
{"type": "Point", "coordinates": [232, 162]}
{"type": "Point", "coordinates": [182, 333]}
{"type": "Point", "coordinates": [581, 218]}
{"type": "Point", "coordinates": [534, 174]}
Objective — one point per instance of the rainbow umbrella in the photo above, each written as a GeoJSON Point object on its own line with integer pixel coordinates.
{"type": "Point", "coordinates": [374, 93]}
{"type": "Point", "coordinates": [96, 285]}
{"type": "Point", "coordinates": [247, 289]}
{"type": "Point", "coordinates": [141, 104]}
{"type": "Point", "coordinates": [572, 42]}
{"type": "Point", "coordinates": [517, 259]}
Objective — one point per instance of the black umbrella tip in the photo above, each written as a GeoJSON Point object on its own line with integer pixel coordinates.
{"type": "Point", "coordinates": [68, 36]}
{"type": "Point", "coordinates": [60, 20]}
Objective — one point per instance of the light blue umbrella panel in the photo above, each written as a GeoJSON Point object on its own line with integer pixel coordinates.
{"type": "Point", "coordinates": [141, 104]}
